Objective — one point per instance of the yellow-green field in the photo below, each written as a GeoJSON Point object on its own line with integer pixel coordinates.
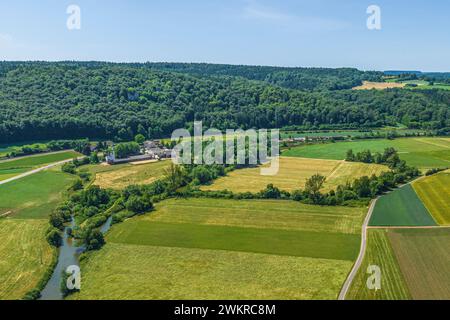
{"type": "Point", "coordinates": [434, 192]}
{"type": "Point", "coordinates": [121, 176]}
{"type": "Point", "coordinates": [226, 249]}
{"type": "Point", "coordinates": [379, 253]}
{"type": "Point", "coordinates": [293, 174]}
{"type": "Point", "coordinates": [271, 214]}
{"type": "Point", "coordinates": [125, 272]}
{"type": "Point", "coordinates": [25, 256]}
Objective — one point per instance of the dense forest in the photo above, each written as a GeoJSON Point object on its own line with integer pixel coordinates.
{"type": "Point", "coordinates": [69, 100]}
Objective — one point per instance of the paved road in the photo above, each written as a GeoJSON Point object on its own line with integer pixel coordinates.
{"type": "Point", "coordinates": [26, 174]}
{"type": "Point", "coordinates": [361, 255]}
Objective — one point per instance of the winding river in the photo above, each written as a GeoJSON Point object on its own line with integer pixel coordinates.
{"type": "Point", "coordinates": [68, 256]}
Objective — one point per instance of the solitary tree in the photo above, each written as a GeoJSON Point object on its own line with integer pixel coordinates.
{"type": "Point", "coordinates": [313, 186]}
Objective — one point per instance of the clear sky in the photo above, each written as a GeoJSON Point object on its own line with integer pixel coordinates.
{"type": "Point", "coordinates": [415, 34]}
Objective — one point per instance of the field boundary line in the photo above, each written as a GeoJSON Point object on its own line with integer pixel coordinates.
{"type": "Point", "coordinates": [361, 255]}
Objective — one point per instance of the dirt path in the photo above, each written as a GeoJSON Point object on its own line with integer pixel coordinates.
{"type": "Point", "coordinates": [361, 255]}
{"type": "Point", "coordinates": [29, 173]}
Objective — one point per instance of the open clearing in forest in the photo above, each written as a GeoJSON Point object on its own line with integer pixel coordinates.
{"type": "Point", "coordinates": [121, 176]}
{"type": "Point", "coordinates": [368, 85]}
{"type": "Point", "coordinates": [434, 192]}
{"type": "Point", "coordinates": [424, 153]}
{"type": "Point", "coordinates": [226, 249]}
{"type": "Point", "coordinates": [293, 174]}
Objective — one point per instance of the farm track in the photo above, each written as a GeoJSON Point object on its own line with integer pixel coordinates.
{"type": "Point", "coordinates": [34, 171]}
{"type": "Point", "coordinates": [362, 253]}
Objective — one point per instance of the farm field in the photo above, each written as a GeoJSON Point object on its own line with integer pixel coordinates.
{"type": "Point", "coordinates": [424, 259]}
{"type": "Point", "coordinates": [293, 174]}
{"type": "Point", "coordinates": [25, 256]}
{"type": "Point", "coordinates": [434, 192]}
{"type": "Point", "coordinates": [368, 85]}
{"type": "Point", "coordinates": [34, 196]}
{"type": "Point", "coordinates": [379, 252]}
{"type": "Point", "coordinates": [424, 153]}
{"type": "Point", "coordinates": [120, 176]}
{"type": "Point", "coordinates": [286, 215]}
{"type": "Point", "coordinates": [13, 167]}
{"type": "Point", "coordinates": [128, 272]}
{"type": "Point", "coordinates": [402, 207]}
{"type": "Point", "coordinates": [346, 133]}
{"type": "Point", "coordinates": [219, 251]}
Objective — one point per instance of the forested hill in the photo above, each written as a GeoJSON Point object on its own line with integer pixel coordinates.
{"type": "Point", "coordinates": [290, 78]}
{"type": "Point", "coordinates": [104, 100]}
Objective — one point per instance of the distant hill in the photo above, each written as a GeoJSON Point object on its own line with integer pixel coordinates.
{"type": "Point", "coordinates": [45, 100]}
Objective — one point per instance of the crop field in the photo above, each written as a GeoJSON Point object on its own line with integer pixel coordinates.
{"type": "Point", "coordinates": [25, 256]}
{"type": "Point", "coordinates": [379, 252]}
{"type": "Point", "coordinates": [285, 215]}
{"type": "Point", "coordinates": [293, 174]}
{"type": "Point", "coordinates": [402, 207]}
{"type": "Point", "coordinates": [224, 249]}
{"type": "Point", "coordinates": [424, 259]}
{"type": "Point", "coordinates": [34, 196]}
{"type": "Point", "coordinates": [346, 133]}
{"type": "Point", "coordinates": [120, 176]}
{"type": "Point", "coordinates": [11, 168]}
{"type": "Point", "coordinates": [424, 153]}
{"type": "Point", "coordinates": [368, 85]}
{"type": "Point", "coordinates": [434, 192]}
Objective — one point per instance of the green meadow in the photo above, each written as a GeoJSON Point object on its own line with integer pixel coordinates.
{"type": "Point", "coordinates": [379, 252]}
{"type": "Point", "coordinates": [13, 167]}
{"type": "Point", "coordinates": [224, 249]}
{"type": "Point", "coordinates": [424, 153]}
{"type": "Point", "coordinates": [25, 205]}
{"type": "Point", "coordinates": [34, 196]}
{"type": "Point", "coordinates": [401, 207]}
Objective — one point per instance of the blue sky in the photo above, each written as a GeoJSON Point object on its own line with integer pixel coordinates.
{"type": "Point", "coordinates": [329, 33]}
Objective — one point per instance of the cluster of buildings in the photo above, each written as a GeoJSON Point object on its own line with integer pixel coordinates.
{"type": "Point", "coordinates": [152, 150]}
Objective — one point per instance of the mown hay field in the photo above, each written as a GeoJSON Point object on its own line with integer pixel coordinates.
{"type": "Point", "coordinates": [225, 249]}
{"type": "Point", "coordinates": [293, 173]}
{"type": "Point", "coordinates": [368, 85]}
{"type": "Point", "coordinates": [121, 176]}
{"type": "Point", "coordinates": [25, 256]}
{"type": "Point", "coordinates": [434, 192]}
